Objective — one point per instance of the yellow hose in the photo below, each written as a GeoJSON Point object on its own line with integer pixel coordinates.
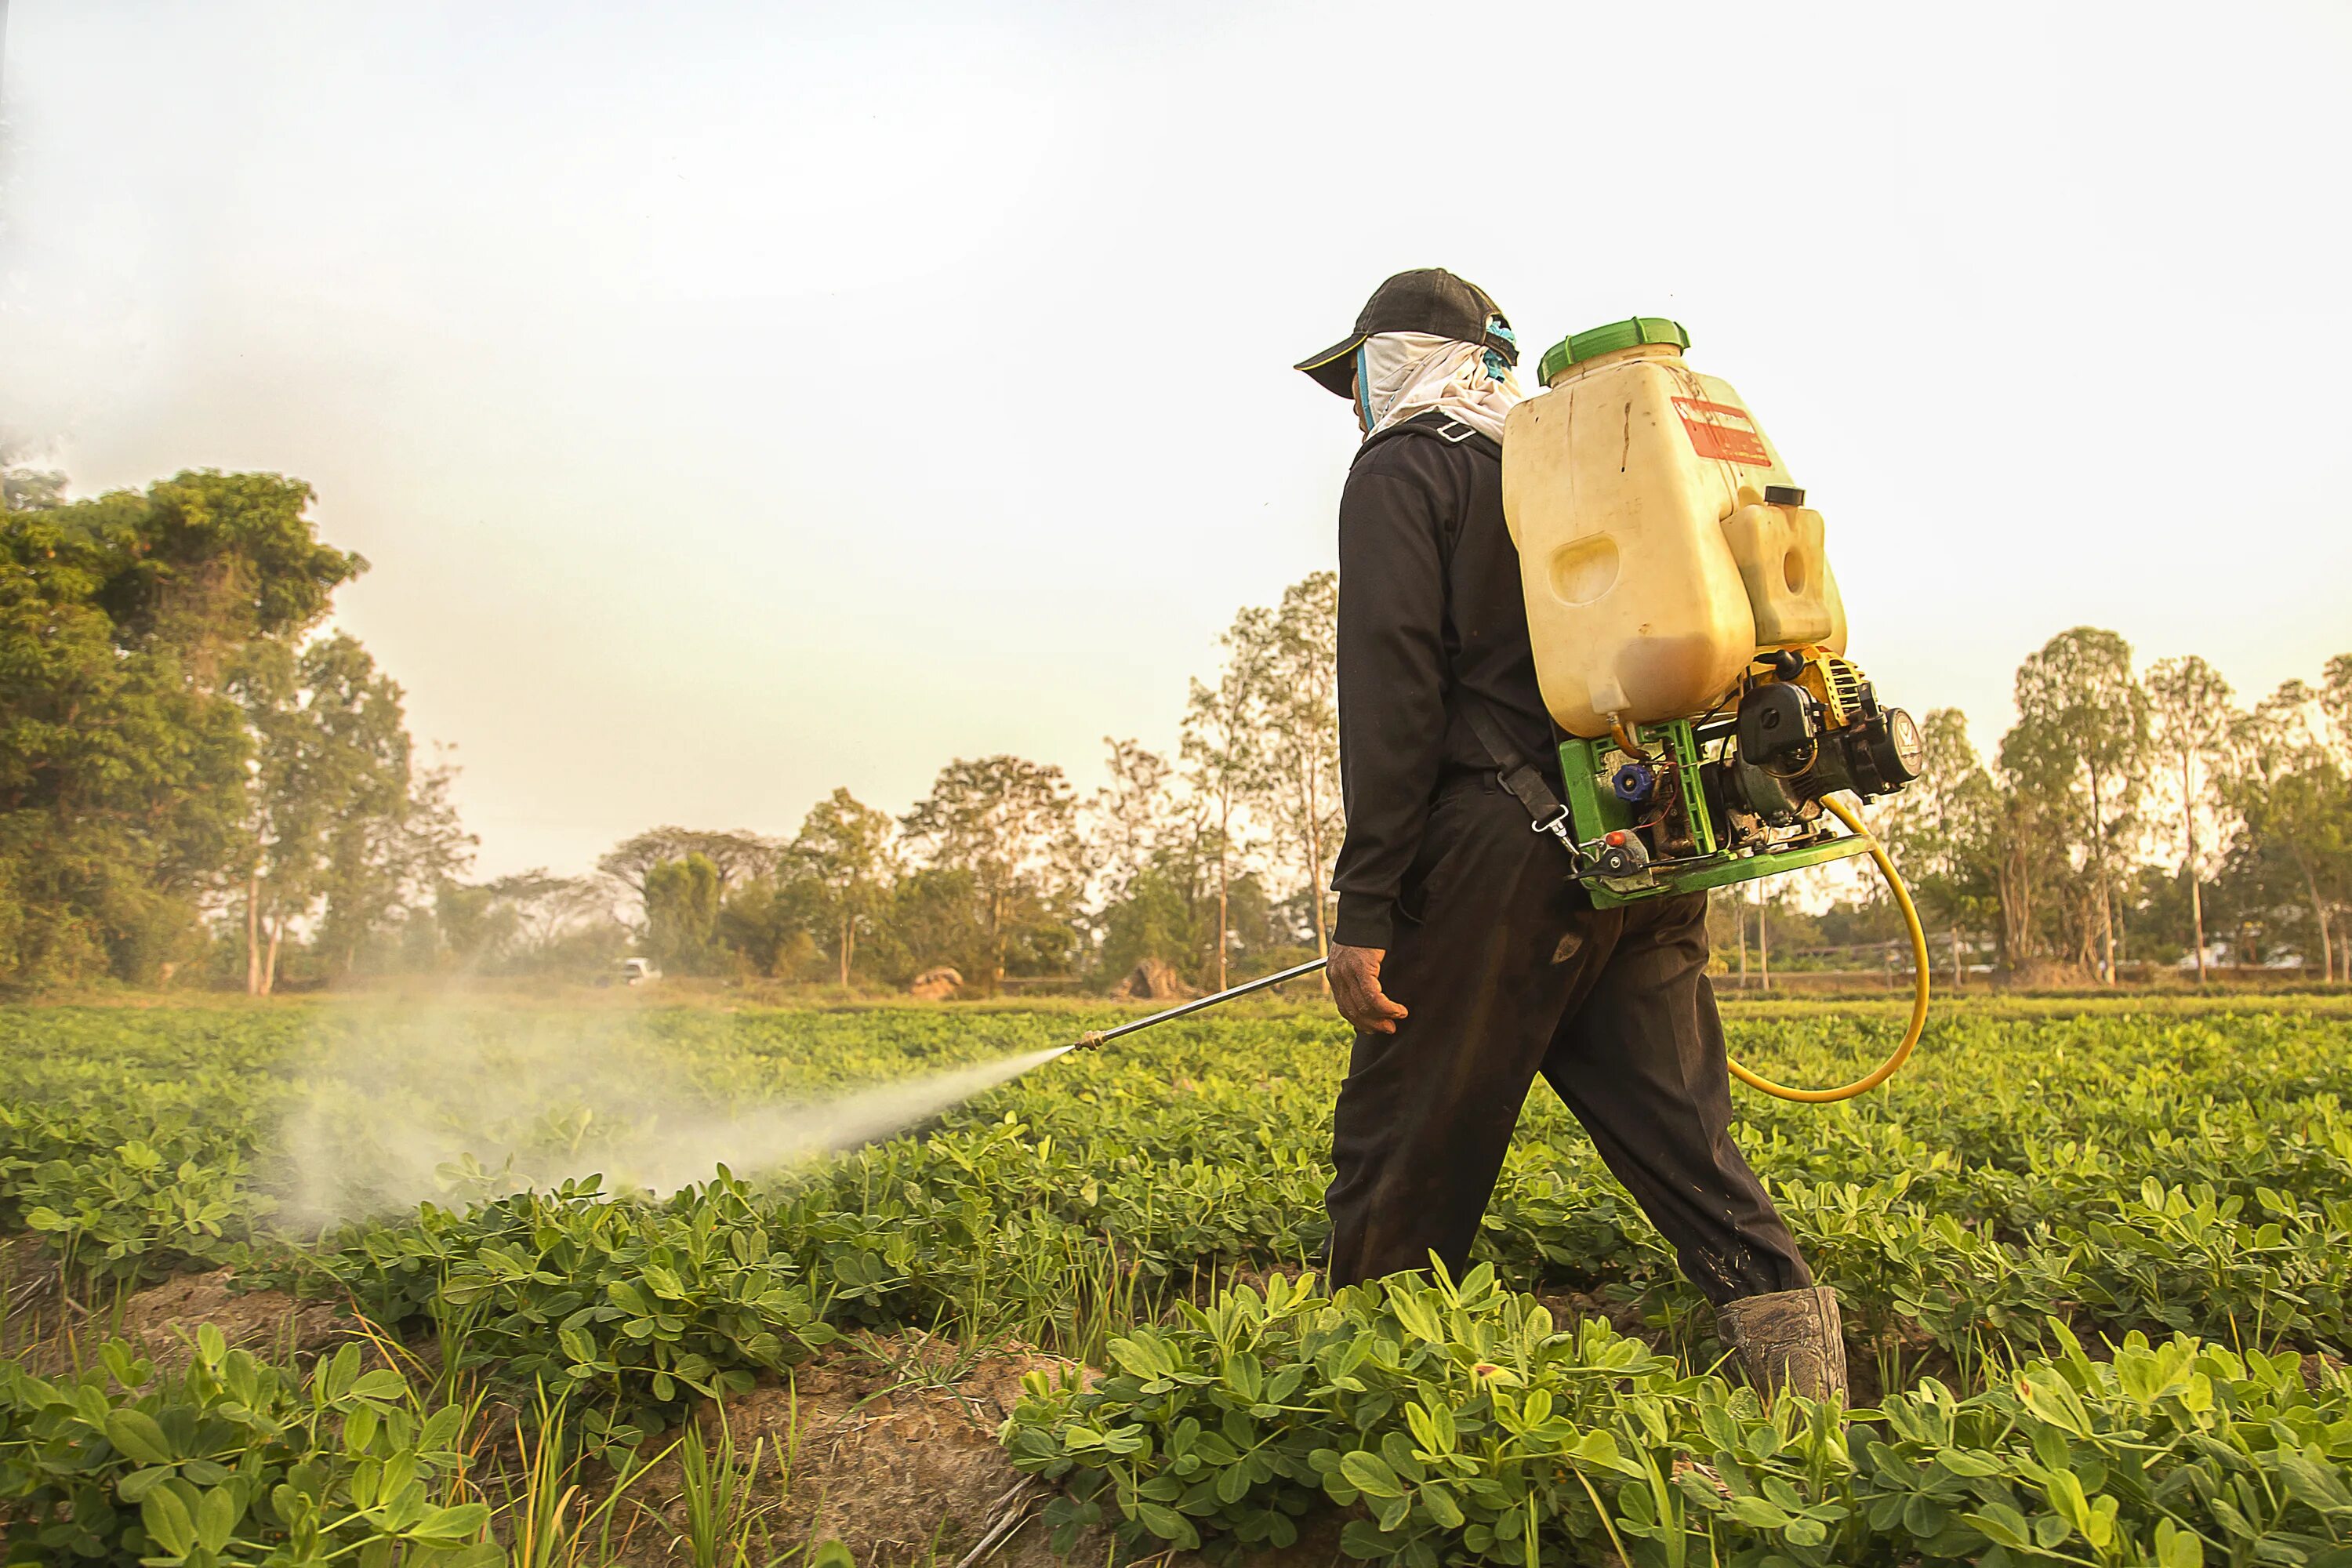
{"type": "Point", "coordinates": [1886, 1068]}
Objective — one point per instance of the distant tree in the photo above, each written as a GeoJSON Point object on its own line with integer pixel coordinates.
{"type": "Point", "coordinates": [530, 922]}
{"type": "Point", "coordinates": [1011, 825]}
{"type": "Point", "coordinates": [733, 856]}
{"type": "Point", "coordinates": [1224, 760]}
{"type": "Point", "coordinates": [2292, 793]}
{"type": "Point", "coordinates": [1152, 918]}
{"type": "Point", "coordinates": [2193, 721]}
{"type": "Point", "coordinates": [846, 850]}
{"type": "Point", "coordinates": [548, 909]}
{"type": "Point", "coordinates": [771, 924]}
{"type": "Point", "coordinates": [938, 917]}
{"type": "Point", "coordinates": [1133, 820]}
{"type": "Point", "coordinates": [337, 817]}
{"type": "Point", "coordinates": [1298, 736]}
{"type": "Point", "coordinates": [2081, 741]}
{"type": "Point", "coordinates": [1943, 831]}
{"type": "Point", "coordinates": [682, 914]}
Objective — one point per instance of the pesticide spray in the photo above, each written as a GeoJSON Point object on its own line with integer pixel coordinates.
{"type": "Point", "coordinates": [395, 1107]}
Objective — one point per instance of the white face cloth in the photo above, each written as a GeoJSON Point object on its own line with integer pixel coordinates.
{"type": "Point", "coordinates": [1400, 374]}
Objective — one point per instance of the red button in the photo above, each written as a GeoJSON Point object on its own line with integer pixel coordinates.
{"type": "Point", "coordinates": [1617, 837]}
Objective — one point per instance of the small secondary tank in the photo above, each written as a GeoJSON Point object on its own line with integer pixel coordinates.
{"type": "Point", "coordinates": [1661, 544]}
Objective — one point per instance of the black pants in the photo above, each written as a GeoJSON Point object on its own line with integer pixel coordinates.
{"type": "Point", "coordinates": [1507, 977]}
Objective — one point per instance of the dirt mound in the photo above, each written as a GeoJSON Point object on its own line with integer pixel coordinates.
{"type": "Point", "coordinates": [163, 1320]}
{"type": "Point", "coordinates": [891, 1447]}
{"type": "Point", "coordinates": [888, 1445]}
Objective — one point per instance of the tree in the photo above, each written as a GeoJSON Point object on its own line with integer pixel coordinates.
{"type": "Point", "coordinates": [215, 562]}
{"type": "Point", "coordinates": [1298, 734]}
{"type": "Point", "coordinates": [336, 814]}
{"type": "Point", "coordinates": [2081, 740]}
{"type": "Point", "coordinates": [734, 856]}
{"type": "Point", "coordinates": [1153, 918]}
{"type": "Point", "coordinates": [682, 914]}
{"type": "Point", "coordinates": [1011, 827]}
{"type": "Point", "coordinates": [1223, 760]}
{"type": "Point", "coordinates": [530, 922]}
{"type": "Point", "coordinates": [1132, 821]}
{"type": "Point", "coordinates": [2192, 720]}
{"type": "Point", "coordinates": [2293, 797]}
{"type": "Point", "coordinates": [122, 762]}
{"type": "Point", "coordinates": [1943, 831]}
{"type": "Point", "coordinates": [847, 848]}
{"type": "Point", "coordinates": [771, 924]}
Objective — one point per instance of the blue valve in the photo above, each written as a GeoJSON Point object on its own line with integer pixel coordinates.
{"type": "Point", "coordinates": [1633, 784]}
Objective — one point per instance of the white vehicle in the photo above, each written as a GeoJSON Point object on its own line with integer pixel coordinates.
{"type": "Point", "coordinates": [638, 971]}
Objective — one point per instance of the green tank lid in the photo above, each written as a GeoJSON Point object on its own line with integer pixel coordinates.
{"type": "Point", "coordinates": [1605, 339]}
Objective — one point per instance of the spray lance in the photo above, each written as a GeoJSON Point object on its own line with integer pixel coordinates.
{"type": "Point", "coordinates": [1096, 1039]}
{"type": "Point", "coordinates": [1689, 642]}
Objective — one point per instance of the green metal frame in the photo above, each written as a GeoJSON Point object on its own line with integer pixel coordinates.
{"type": "Point", "coordinates": [1594, 810]}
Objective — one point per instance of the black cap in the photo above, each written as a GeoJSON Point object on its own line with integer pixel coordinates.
{"type": "Point", "coordinates": [1426, 299]}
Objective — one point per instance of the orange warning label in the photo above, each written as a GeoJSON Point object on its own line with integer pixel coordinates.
{"type": "Point", "coordinates": [1720, 431]}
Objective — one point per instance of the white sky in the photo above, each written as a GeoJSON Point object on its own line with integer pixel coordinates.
{"type": "Point", "coordinates": [737, 401]}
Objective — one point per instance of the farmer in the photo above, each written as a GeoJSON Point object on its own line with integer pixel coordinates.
{"type": "Point", "coordinates": [1466, 956]}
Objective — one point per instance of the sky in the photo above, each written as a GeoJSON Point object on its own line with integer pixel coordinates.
{"type": "Point", "coordinates": [737, 401]}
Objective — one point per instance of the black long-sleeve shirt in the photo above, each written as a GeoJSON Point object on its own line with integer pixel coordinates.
{"type": "Point", "coordinates": [1430, 609]}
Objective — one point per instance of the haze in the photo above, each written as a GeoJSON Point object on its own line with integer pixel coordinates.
{"type": "Point", "coordinates": [737, 401]}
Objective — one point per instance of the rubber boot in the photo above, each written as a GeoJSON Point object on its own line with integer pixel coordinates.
{"type": "Point", "coordinates": [1787, 1339]}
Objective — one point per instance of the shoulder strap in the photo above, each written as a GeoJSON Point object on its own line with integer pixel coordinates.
{"type": "Point", "coordinates": [1546, 812]}
{"type": "Point", "coordinates": [1453, 432]}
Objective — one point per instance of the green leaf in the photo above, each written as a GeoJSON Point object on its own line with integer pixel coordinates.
{"type": "Point", "coordinates": [1432, 1429]}
{"type": "Point", "coordinates": [1168, 1524]}
{"type": "Point", "coordinates": [1370, 1474]}
{"type": "Point", "coordinates": [383, 1383]}
{"type": "Point", "coordinates": [454, 1524]}
{"type": "Point", "coordinates": [168, 1521]}
{"type": "Point", "coordinates": [1143, 1355]}
{"type": "Point", "coordinates": [1416, 1315]}
{"type": "Point", "coordinates": [135, 1433]}
{"type": "Point", "coordinates": [2004, 1526]}
{"type": "Point", "coordinates": [216, 1516]}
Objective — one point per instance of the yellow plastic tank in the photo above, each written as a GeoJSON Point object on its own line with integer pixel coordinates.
{"type": "Point", "coordinates": [1661, 544]}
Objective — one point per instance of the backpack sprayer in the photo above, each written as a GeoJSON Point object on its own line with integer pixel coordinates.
{"type": "Point", "coordinates": [1690, 641]}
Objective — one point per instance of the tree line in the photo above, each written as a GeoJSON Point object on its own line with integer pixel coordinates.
{"type": "Point", "coordinates": [1196, 867]}
{"type": "Point", "coordinates": [2139, 814]}
{"type": "Point", "coordinates": [200, 785]}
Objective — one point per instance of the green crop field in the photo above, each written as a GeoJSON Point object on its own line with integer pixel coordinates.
{"type": "Point", "coordinates": [2095, 1260]}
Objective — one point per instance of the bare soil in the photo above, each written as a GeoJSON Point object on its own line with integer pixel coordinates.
{"type": "Point", "coordinates": [162, 1321]}
{"type": "Point", "coordinates": [890, 1447]}
{"type": "Point", "coordinates": [886, 1444]}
